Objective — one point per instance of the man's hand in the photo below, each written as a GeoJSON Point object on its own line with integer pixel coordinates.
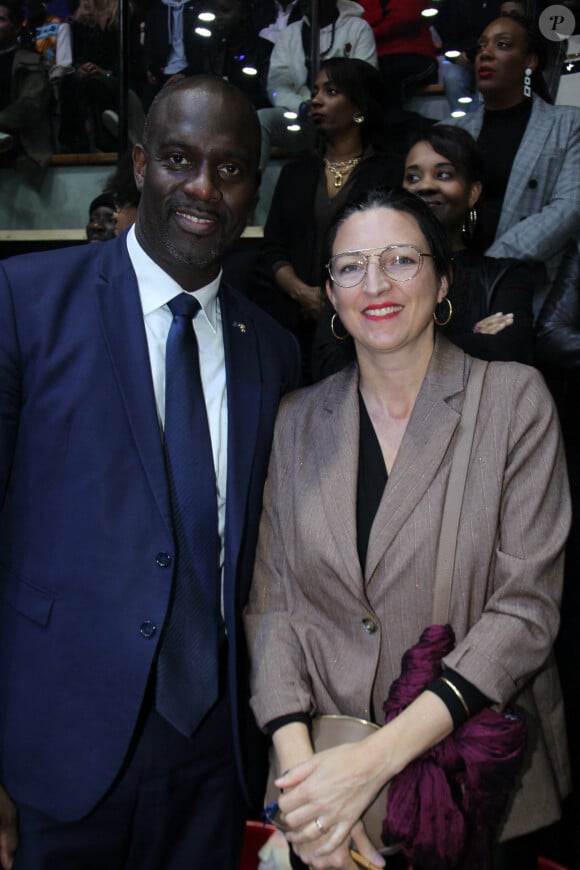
{"type": "Point", "coordinates": [8, 830]}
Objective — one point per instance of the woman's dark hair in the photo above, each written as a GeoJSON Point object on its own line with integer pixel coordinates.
{"type": "Point", "coordinates": [457, 146]}
{"type": "Point", "coordinates": [401, 200]}
{"type": "Point", "coordinates": [536, 45]}
{"type": "Point", "coordinates": [364, 86]}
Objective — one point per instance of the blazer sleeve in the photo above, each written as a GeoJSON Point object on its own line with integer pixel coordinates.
{"type": "Point", "coordinates": [517, 628]}
{"type": "Point", "coordinates": [280, 684]}
{"type": "Point", "coordinates": [546, 230]}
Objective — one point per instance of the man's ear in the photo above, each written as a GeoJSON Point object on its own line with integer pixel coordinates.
{"type": "Point", "coordinates": [139, 164]}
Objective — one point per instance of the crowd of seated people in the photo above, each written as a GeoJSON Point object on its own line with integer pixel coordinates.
{"type": "Point", "coordinates": [263, 46]}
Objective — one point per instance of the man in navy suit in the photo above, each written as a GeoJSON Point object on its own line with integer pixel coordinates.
{"type": "Point", "coordinates": [93, 775]}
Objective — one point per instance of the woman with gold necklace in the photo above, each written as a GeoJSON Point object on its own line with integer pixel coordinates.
{"type": "Point", "coordinates": [347, 108]}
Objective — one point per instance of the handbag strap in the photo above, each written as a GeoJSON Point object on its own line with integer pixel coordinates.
{"type": "Point", "coordinates": [454, 496]}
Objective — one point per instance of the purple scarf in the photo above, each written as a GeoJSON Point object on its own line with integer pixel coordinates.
{"type": "Point", "coordinates": [445, 806]}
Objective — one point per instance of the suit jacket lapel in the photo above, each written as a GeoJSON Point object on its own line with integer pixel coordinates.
{"type": "Point", "coordinates": [124, 331]}
{"type": "Point", "coordinates": [336, 449]}
{"type": "Point", "coordinates": [244, 394]}
{"type": "Point", "coordinates": [425, 443]}
{"type": "Point", "coordinates": [531, 147]}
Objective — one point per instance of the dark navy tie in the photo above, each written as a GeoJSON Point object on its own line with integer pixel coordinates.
{"type": "Point", "coordinates": [187, 668]}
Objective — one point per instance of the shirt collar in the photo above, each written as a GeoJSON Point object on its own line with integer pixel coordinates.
{"type": "Point", "coordinates": [157, 288]}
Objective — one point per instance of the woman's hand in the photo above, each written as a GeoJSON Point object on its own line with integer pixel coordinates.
{"type": "Point", "coordinates": [494, 323]}
{"type": "Point", "coordinates": [323, 801]}
{"type": "Point", "coordinates": [309, 298]}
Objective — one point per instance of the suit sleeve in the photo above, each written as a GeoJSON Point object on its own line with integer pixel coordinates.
{"type": "Point", "coordinates": [280, 683]}
{"type": "Point", "coordinates": [10, 383]}
{"type": "Point", "coordinates": [517, 628]}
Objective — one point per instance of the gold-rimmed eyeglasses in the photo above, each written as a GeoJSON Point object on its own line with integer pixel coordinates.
{"type": "Point", "coordinates": [399, 262]}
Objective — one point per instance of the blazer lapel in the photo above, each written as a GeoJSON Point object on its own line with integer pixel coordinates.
{"type": "Point", "coordinates": [336, 449]}
{"type": "Point", "coordinates": [124, 331]}
{"type": "Point", "coordinates": [425, 443]}
{"type": "Point", "coordinates": [531, 147]}
{"type": "Point", "coordinates": [244, 394]}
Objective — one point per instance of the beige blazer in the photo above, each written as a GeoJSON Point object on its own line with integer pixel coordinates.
{"type": "Point", "coordinates": [326, 638]}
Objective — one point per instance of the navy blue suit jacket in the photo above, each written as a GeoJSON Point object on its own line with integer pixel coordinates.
{"type": "Point", "coordinates": [85, 517]}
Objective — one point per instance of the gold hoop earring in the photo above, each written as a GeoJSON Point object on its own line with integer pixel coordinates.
{"type": "Point", "coordinates": [338, 337]}
{"type": "Point", "coordinates": [443, 322]}
{"type": "Point", "coordinates": [358, 118]}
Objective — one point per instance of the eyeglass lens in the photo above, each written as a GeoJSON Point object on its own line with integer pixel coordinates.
{"type": "Point", "coordinates": [399, 262]}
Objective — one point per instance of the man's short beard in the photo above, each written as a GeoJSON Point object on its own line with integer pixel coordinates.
{"type": "Point", "coordinates": [201, 262]}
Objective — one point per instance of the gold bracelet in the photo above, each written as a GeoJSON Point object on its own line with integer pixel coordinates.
{"type": "Point", "coordinates": [457, 693]}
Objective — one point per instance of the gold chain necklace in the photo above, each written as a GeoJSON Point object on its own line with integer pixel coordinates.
{"type": "Point", "coordinates": [341, 168]}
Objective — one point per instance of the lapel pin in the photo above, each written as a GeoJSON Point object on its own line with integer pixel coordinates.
{"type": "Point", "coordinates": [240, 326]}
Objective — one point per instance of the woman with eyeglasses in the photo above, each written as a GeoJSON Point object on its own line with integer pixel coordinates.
{"type": "Point", "coordinates": [343, 582]}
{"type": "Point", "coordinates": [488, 309]}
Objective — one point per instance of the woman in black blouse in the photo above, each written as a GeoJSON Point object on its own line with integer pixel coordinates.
{"type": "Point", "coordinates": [347, 108]}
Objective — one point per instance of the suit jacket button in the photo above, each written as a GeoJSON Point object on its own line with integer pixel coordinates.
{"type": "Point", "coordinates": [532, 183]}
{"type": "Point", "coordinates": [369, 625]}
{"type": "Point", "coordinates": [163, 560]}
{"type": "Point", "coordinates": [147, 629]}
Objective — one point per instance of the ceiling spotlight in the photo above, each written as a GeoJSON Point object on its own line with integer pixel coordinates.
{"type": "Point", "coordinates": [203, 31]}
{"type": "Point", "coordinates": [294, 128]}
{"type": "Point", "coordinates": [290, 116]}
{"type": "Point", "coordinates": [459, 113]}
{"type": "Point", "coordinates": [465, 100]}
{"type": "Point", "coordinates": [452, 53]}
{"type": "Point", "coordinates": [250, 70]}
{"type": "Point", "coordinates": [429, 13]}
{"type": "Point", "coordinates": [206, 16]}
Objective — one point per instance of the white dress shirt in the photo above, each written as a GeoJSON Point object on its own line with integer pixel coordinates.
{"type": "Point", "coordinates": [156, 289]}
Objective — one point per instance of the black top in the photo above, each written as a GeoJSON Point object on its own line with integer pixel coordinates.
{"type": "Point", "coordinates": [372, 479]}
{"type": "Point", "coordinates": [487, 285]}
{"type": "Point", "coordinates": [499, 140]}
{"type": "Point", "coordinates": [298, 220]}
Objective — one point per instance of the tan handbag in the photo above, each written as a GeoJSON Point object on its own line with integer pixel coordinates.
{"type": "Point", "coordinates": [329, 731]}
